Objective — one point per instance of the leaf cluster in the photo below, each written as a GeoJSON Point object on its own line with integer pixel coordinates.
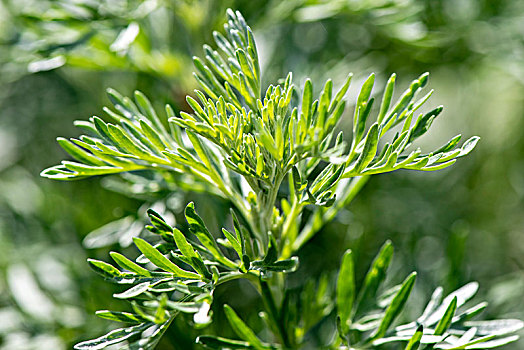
{"type": "Point", "coordinates": [178, 274]}
{"type": "Point", "coordinates": [366, 316]}
{"type": "Point", "coordinates": [280, 159]}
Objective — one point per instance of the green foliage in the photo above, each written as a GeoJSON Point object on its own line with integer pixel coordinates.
{"type": "Point", "coordinates": [248, 147]}
{"type": "Point", "coordinates": [441, 325]}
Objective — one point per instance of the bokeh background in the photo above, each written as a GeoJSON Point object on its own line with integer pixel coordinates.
{"type": "Point", "coordinates": [454, 226]}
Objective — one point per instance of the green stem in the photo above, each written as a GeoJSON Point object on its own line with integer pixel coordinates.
{"type": "Point", "coordinates": [329, 214]}
{"type": "Point", "coordinates": [273, 313]}
{"type": "Point", "coordinates": [265, 209]}
{"type": "Point", "coordinates": [288, 233]}
{"type": "Point", "coordinates": [250, 275]}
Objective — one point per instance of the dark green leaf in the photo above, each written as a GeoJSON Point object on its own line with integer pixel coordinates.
{"type": "Point", "coordinates": [447, 318]}
{"type": "Point", "coordinates": [375, 276]}
{"type": "Point", "coordinates": [414, 342]}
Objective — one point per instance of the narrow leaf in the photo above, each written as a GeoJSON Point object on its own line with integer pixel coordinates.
{"type": "Point", "coordinates": [127, 264]}
{"type": "Point", "coordinates": [346, 291]}
{"type": "Point", "coordinates": [242, 330]}
{"type": "Point", "coordinates": [375, 275]}
{"type": "Point", "coordinates": [161, 261]}
{"type": "Point", "coordinates": [414, 342]}
{"type": "Point", "coordinates": [114, 337]}
{"type": "Point", "coordinates": [396, 306]}
{"type": "Point", "coordinates": [445, 321]}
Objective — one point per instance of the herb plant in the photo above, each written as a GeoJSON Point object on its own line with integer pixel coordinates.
{"type": "Point", "coordinates": [279, 159]}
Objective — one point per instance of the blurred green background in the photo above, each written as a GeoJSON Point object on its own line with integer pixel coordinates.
{"type": "Point", "coordinates": [454, 226]}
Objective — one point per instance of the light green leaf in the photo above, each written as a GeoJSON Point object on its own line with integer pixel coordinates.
{"type": "Point", "coordinates": [104, 269]}
{"type": "Point", "coordinates": [194, 259]}
{"type": "Point", "coordinates": [114, 337]}
{"type": "Point", "coordinates": [242, 330]}
{"type": "Point", "coordinates": [120, 316]}
{"type": "Point", "coordinates": [127, 264]}
{"type": "Point", "coordinates": [346, 291]}
{"type": "Point", "coordinates": [161, 261]}
{"type": "Point", "coordinates": [386, 99]}
{"type": "Point", "coordinates": [396, 306]}
{"type": "Point", "coordinates": [133, 291]}
{"type": "Point", "coordinates": [498, 327]}
{"type": "Point", "coordinates": [369, 151]}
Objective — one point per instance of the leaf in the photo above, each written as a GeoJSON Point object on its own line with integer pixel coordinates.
{"type": "Point", "coordinates": [365, 93]}
{"type": "Point", "coordinates": [346, 291]}
{"type": "Point", "coordinates": [396, 306]}
{"type": "Point", "coordinates": [152, 136]}
{"type": "Point", "coordinates": [463, 294]}
{"type": "Point", "coordinates": [449, 145]}
{"type": "Point", "coordinates": [193, 257]}
{"type": "Point", "coordinates": [432, 305]}
{"type": "Point", "coordinates": [113, 337]}
{"type": "Point", "coordinates": [307, 100]}
{"type": "Point", "coordinates": [497, 327]}
{"type": "Point", "coordinates": [120, 316]}
{"type": "Point", "coordinates": [468, 146]}
{"type": "Point", "coordinates": [133, 291]}
{"type": "Point", "coordinates": [233, 241]}
{"type": "Point", "coordinates": [161, 261]}
{"type": "Point", "coordinates": [375, 275]}
{"type": "Point", "coordinates": [239, 233]}
{"type": "Point", "coordinates": [287, 265]}
{"type": "Point", "coordinates": [127, 264]}
{"type": "Point", "coordinates": [404, 101]}
{"type": "Point", "coordinates": [470, 313]}
{"type": "Point", "coordinates": [445, 321]}
{"type": "Point", "coordinates": [423, 123]}
{"type": "Point", "coordinates": [213, 342]}
{"type": "Point", "coordinates": [362, 116]}
{"type": "Point", "coordinates": [414, 342]}
{"type": "Point", "coordinates": [370, 149]}
{"type": "Point", "coordinates": [242, 330]}
{"type": "Point", "coordinates": [199, 229]}
{"type": "Point", "coordinates": [88, 170]}
{"type": "Point", "coordinates": [340, 94]}
{"type": "Point", "coordinates": [386, 99]}
{"type": "Point", "coordinates": [147, 109]}
{"type": "Point", "coordinates": [106, 270]}
{"type": "Point", "coordinates": [158, 222]}
{"type": "Point", "coordinates": [493, 343]}
{"type": "Point", "coordinates": [79, 153]}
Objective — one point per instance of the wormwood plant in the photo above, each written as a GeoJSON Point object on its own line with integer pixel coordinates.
{"type": "Point", "coordinates": [276, 156]}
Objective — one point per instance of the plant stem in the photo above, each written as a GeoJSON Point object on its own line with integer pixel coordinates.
{"type": "Point", "coordinates": [273, 313]}
{"type": "Point", "coordinates": [329, 214]}
{"type": "Point", "coordinates": [288, 231]}
{"type": "Point", "coordinates": [265, 209]}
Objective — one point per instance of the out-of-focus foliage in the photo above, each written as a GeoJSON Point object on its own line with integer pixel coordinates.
{"type": "Point", "coordinates": [442, 225]}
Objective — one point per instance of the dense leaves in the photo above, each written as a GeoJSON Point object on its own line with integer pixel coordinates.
{"type": "Point", "coordinates": [245, 144]}
{"type": "Point", "coordinates": [440, 326]}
